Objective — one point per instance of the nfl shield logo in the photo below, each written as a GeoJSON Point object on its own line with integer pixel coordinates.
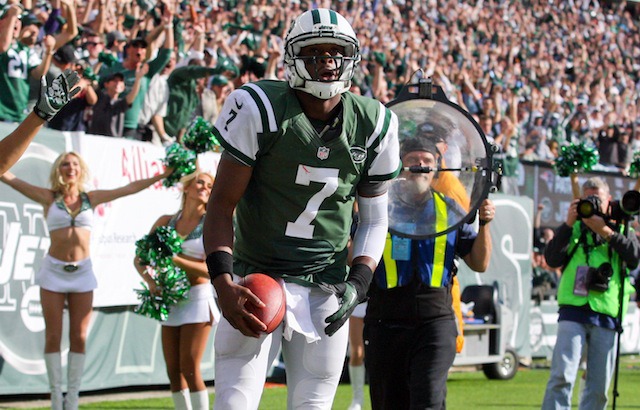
{"type": "Point", "coordinates": [323, 153]}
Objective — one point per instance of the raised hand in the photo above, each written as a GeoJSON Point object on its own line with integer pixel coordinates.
{"type": "Point", "coordinates": [55, 96]}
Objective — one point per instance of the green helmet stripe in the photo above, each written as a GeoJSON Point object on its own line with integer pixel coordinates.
{"type": "Point", "coordinates": [333, 17]}
{"type": "Point", "coordinates": [316, 16]}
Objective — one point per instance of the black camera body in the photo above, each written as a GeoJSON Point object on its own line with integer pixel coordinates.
{"type": "Point", "coordinates": [598, 278]}
{"type": "Point", "coordinates": [589, 206]}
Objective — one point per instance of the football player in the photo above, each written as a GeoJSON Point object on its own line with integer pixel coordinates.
{"type": "Point", "coordinates": [298, 154]}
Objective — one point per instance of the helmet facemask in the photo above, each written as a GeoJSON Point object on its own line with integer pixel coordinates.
{"type": "Point", "coordinates": [305, 33]}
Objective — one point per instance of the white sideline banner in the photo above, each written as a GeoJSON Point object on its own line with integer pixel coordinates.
{"type": "Point", "coordinates": [116, 162]}
{"type": "Point", "coordinates": [119, 224]}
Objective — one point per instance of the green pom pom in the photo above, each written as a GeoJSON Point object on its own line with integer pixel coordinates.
{"type": "Point", "coordinates": [157, 248]}
{"type": "Point", "coordinates": [174, 286]}
{"type": "Point", "coordinates": [182, 160]}
{"type": "Point", "coordinates": [574, 158]}
{"type": "Point", "coordinates": [174, 283]}
{"type": "Point", "coordinates": [199, 136]}
{"type": "Point", "coordinates": [634, 168]}
{"type": "Point", "coordinates": [151, 305]}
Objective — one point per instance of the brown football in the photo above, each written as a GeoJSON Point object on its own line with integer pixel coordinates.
{"type": "Point", "coordinates": [271, 293]}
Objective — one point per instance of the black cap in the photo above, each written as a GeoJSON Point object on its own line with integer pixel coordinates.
{"type": "Point", "coordinates": [65, 54]}
{"type": "Point", "coordinates": [112, 76]}
{"type": "Point", "coordinates": [114, 36]}
{"type": "Point", "coordinates": [30, 19]}
{"type": "Point", "coordinates": [419, 144]}
{"type": "Point", "coordinates": [138, 42]}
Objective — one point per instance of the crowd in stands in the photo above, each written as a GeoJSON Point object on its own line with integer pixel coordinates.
{"type": "Point", "coordinates": [536, 74]}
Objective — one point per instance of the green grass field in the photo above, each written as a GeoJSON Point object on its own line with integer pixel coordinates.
{"type": "Point", "coordinates": [466, 390]}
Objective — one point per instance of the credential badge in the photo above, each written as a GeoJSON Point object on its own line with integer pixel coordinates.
{"type": "Point", "coordinates": [323, 153]}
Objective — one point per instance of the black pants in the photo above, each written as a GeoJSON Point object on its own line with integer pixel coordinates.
{"type": "Point", "coordinates": [408, 366]}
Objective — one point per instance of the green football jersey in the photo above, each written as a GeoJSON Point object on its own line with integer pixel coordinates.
{"type": "Point", "coordinates": [15, 66]}
{"type": "Point", "coordinates": [295, 216]}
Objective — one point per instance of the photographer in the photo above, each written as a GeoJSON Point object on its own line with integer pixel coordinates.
{"type": "Point", "coordinates": [591, 246]}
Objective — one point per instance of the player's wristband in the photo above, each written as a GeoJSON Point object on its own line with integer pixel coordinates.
{"type": "Point", "coordinates": [482, 222]}
{"type": "Point", "coordinates": [219, 263]}
{"type": "Point", "coordinates": [360, 277]}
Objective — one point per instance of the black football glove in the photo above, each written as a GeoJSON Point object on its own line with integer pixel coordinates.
{"type": "Point", "coordinates": [350, 294]}
{"type": "Point", "coordinates": [53, 97]}
{"type": "Point", "coordinates": [348, 297]}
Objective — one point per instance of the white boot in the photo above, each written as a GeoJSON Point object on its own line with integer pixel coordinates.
{"type": "Point", "coordinates": [356, 376]}
{"type": "Point", "coordinates": [200, 400]}
{"type": "Point", "coordinates": [181, 399]}
{"type": "Point", "coordinates": [53, 361]}
{"type": "Point", "coordinates": [75, 369]}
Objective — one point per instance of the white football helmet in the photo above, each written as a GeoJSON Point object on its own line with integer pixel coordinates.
{"type": "Point", "coordinates": [320, 26]}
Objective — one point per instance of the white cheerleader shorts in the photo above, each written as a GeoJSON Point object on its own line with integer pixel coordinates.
{"type": "Point", "coordinates": [199, 307]}
{"type": "Point", "coordinates": [66, 277]}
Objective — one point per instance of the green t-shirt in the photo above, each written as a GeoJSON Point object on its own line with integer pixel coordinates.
{"type": "Point", "coordinates": [183, 97]}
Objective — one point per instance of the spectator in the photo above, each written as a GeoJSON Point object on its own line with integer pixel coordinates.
{"type": "Point", "coordinates": [212, 98]}
{"type": "Point", "coordinates": [529, 153]}
{"type": "Point", "coordinates": [94, 46]}
{"type": "Point", "coordinates": [607, 143]}
{"type": "Point", "coordinates": [111, 108]}
{"type": "Point", "coordinates": [635, 143]}
{"type": "Point", "coordinates": [64, 35]}
{"type": "Point", "coordinates": [136, 53]}
{"type": "Point", "coordinates": [184, 83]}
{"type": "Point", "coordinates": [19, 60]}
{"type": "Point", "coordinates": [72, 117]}
{"type": "Point", "coordinates": [114, 51]}
{"type": "Point", "coordinates": [509, 138]}
{"type": "Point", "coordinates": [154, 109]}
{"type": "Point", "coordinates": [625, 153]}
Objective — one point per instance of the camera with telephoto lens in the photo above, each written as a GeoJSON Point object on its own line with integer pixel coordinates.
{"type": "Point", "coordinates": [598, 278]}
{"type": "Point", "coordinates": [620, 210]}
{"type": "Point", "coordinates": [589, 206]}
{"type": "Point", "coordinates": [628, 206]}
